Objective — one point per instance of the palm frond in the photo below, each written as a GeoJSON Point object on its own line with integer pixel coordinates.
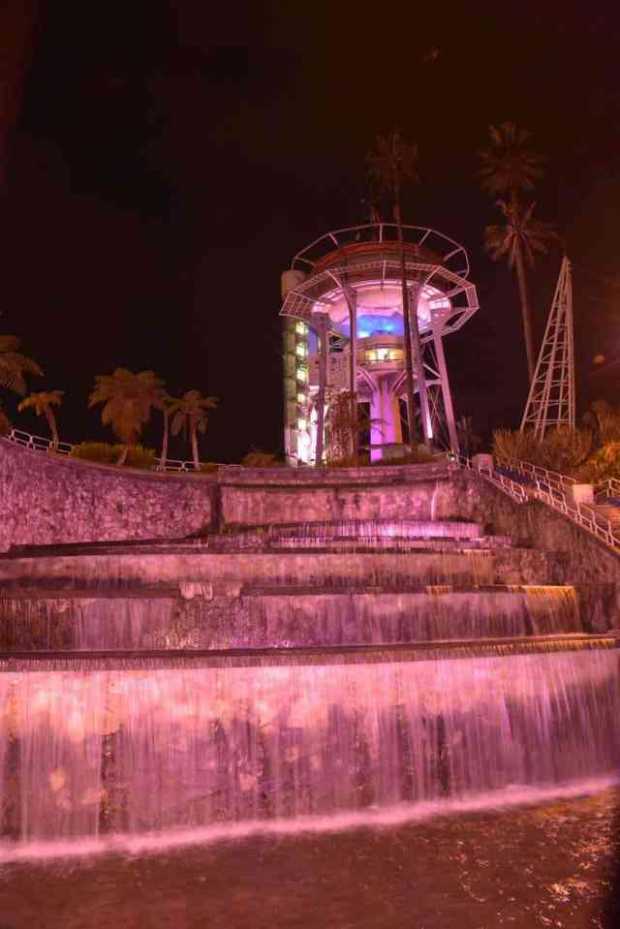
{"type": "Point", "coordinates": [509, 164]}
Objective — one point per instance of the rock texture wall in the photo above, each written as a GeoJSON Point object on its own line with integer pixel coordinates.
{"type": "Point", "coordinates": [47, 499]}
{"type": "Point", "coordinates": [577, 557]}
{"type": "Point", "coordinates": [247, 504]}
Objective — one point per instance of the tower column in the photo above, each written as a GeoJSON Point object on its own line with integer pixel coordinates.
{"type": "Point", "coordinates": [446, 393]}
{"type": "Point", "coordinates": [385, 428]}
{"type": "Point", "coordinates": [321, 330]}
{"type": "Point", "coordinates": [351, 299]}
{"type": "Point", "coordinates": [425, 412]}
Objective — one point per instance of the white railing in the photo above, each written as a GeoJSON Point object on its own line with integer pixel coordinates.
{"type": "Point", "coordinates": [609, 488]}
{"type": "Point", "coordinates": [37, 442]}
{"type": "Point", "coordinates": [583, 515]}
{"type": "Point", "coordinates": [556, 497]}
{"type": "Point", "coordinates": [40, 443]}
{"type": "Point", "coordinates": [513, 489]}
{"type": "Point", "coordinates": [537, 474]}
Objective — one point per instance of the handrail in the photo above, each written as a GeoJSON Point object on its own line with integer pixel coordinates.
{"type": "Point", "coordinates": [512, 488]}
{"type": "Point", "coordinates": [536, 472]}
{"type": "Point", "coordinates": [556, 498]}
{"type": "Point", "coordinates": [40, 443]}
{"type": "Point", "coordinates": [37, 442]}
{"type": "Point", "coordinates": [608, 488]}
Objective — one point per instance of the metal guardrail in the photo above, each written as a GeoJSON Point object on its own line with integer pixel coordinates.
{"type": "Point", "coordinates": [609, 488]}
{"type": "Point", "coordinates": [512, 488]}
{"type": "Point", "coordinates": [548, 490]}
{"type": "Point", "coordinates": [40, 443]}
{"type": "Point", "coordinates": [535, 473]}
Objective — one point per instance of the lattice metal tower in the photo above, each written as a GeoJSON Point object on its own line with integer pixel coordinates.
{"type": "Point", "coordinates": [551, 400]}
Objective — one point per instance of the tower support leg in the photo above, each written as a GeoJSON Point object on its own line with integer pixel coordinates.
{"type": "Point", "coordinates": [425, 413]}
{"type": "Point", "coordinates": [446, 393]}
{"type": "Point", "coordinates": [323, 336]}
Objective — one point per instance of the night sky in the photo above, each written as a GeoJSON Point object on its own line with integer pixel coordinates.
{"type": "Point", "coordinates": [165, 163]}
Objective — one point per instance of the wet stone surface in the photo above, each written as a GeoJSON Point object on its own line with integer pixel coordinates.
{"type": "Point", "coordinates": [553, 865]}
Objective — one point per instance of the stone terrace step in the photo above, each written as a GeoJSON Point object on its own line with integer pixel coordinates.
{"type": "Point", "coordinates": [370, 529]}
{"type": "Point", "coordinates": [193, 617]}
{"type": "Point", "coordinates": [125, 566]}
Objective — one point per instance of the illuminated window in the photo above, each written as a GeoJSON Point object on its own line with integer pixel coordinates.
{"type": "Point", "coordinates": [371, 355]}
{"type": "Point", "coordinates": [302, 375]}
{"type": "Point", "coordinates": [301, 425]}
{"type": "Point", "coordinates": [301, 328]}
{"type": "Point", "coordinates": [301, 350]}
{"type": "Point", "coordinates": [396, 354]}
{"type": "Point", "coordinates": [301, 398]}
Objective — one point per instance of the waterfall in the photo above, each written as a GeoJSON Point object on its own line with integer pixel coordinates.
{"type": "Point", "coordinates": [131, 751]}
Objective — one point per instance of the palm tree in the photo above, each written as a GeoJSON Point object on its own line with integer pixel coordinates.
{"type": "Point", "coordinates": [42, 403]}
{"type": "Point", "coordinates": [5, 423]}
{"type": "Point", "coordinates": [127, 400]}
{"type": "Point", "coordinates": [14, 366]}
{"type": "Point", "coordinates": [509, 165]}
{"type": "Point", "coordinates": [519, 239]}
{"type": "Point", "coordinates": [392, 164]}
{"type": "Point", "coordinates": [166, 406]}
{"type": "Point", "coordinates": [190, 414]}
{"type": "Point", "coordinates": [509, 168]}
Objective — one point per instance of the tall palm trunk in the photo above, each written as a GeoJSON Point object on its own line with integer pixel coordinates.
{"type": "Point", "coordinates": [163, 458]}
{"type": "Point", "coordinates": [51, 422]}
{"type": "Point", "coordinates": [194, 436]}
{"type": "Point", "coordinates": [526, 311]}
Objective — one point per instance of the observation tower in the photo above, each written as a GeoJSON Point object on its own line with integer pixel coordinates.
{"type": "Point", "coordinates": [344, 332]}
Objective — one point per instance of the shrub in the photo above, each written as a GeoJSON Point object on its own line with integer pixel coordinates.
{"type": "Point", "coordinates": [209, 467]}
{"type": "Point", "coordinates": [515, 446]}
{"type": "Point", "coordinates": [564, 449]}
{"type": "Point", "coordinates": [5, 423]}
{"type": "Point", "coordinates": [102, 452]}
{"type": "Point", "coordinates": [258, 459]}
{"type": "Point", "coordinates": [106, 453]}
{"type": "Point", "coordinates": [602, 465]}
{"type": "Point", "coordinates": [139, 457]}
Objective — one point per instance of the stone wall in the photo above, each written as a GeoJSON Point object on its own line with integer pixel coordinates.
{"type": "Point", "coordinates": [47, 499]}
{"type": "Point", "coordinates": [577, 557]}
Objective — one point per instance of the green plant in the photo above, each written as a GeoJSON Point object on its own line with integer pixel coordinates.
{"type": "Point", "coordinates": [5, 423]}
{"type": "Point", "coordinates": [43, 404]}
{"type": "Point", "coordinates": [509, 168]}
{"type": "Point", "coordinates": [602, 465]}
{"type": "Point", "coordinates": [127, 400]}
{"type": "Point", "coordinates": [140, 457]}
{"type": "Point", "coordinates": [608, 421]}
{"type": "Point", "coordinates": [106, 453]}
{"type": "Point", "coordinates": [190, 414]}
{"type": "Point", "coordinates": [257, 459]}
{"type": "Point", "coordinates": [511, 445]}
{"type": "Point", "coordinates": [209, 467]}
{"type": "Point", "coordinates": [14, 366]}
{"type": "Point", "coordinates": [102, 452]}
{"type": "Point", "coordinates": [562, 449]}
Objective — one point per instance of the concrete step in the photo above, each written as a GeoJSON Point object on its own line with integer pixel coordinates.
{"type": "Point", "coordinates": [281, 616]}
{"type": "Point", "coordinates": [160, 566]}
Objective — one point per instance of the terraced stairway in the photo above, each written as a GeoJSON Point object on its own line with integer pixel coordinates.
{"type": "Point", "coordinates": [293, 585]}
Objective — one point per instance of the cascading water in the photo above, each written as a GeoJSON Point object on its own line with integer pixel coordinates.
{"type": "Point", "coordinates": [361, 700]}
{"type": "Point", "coordinates": [133, 751]}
